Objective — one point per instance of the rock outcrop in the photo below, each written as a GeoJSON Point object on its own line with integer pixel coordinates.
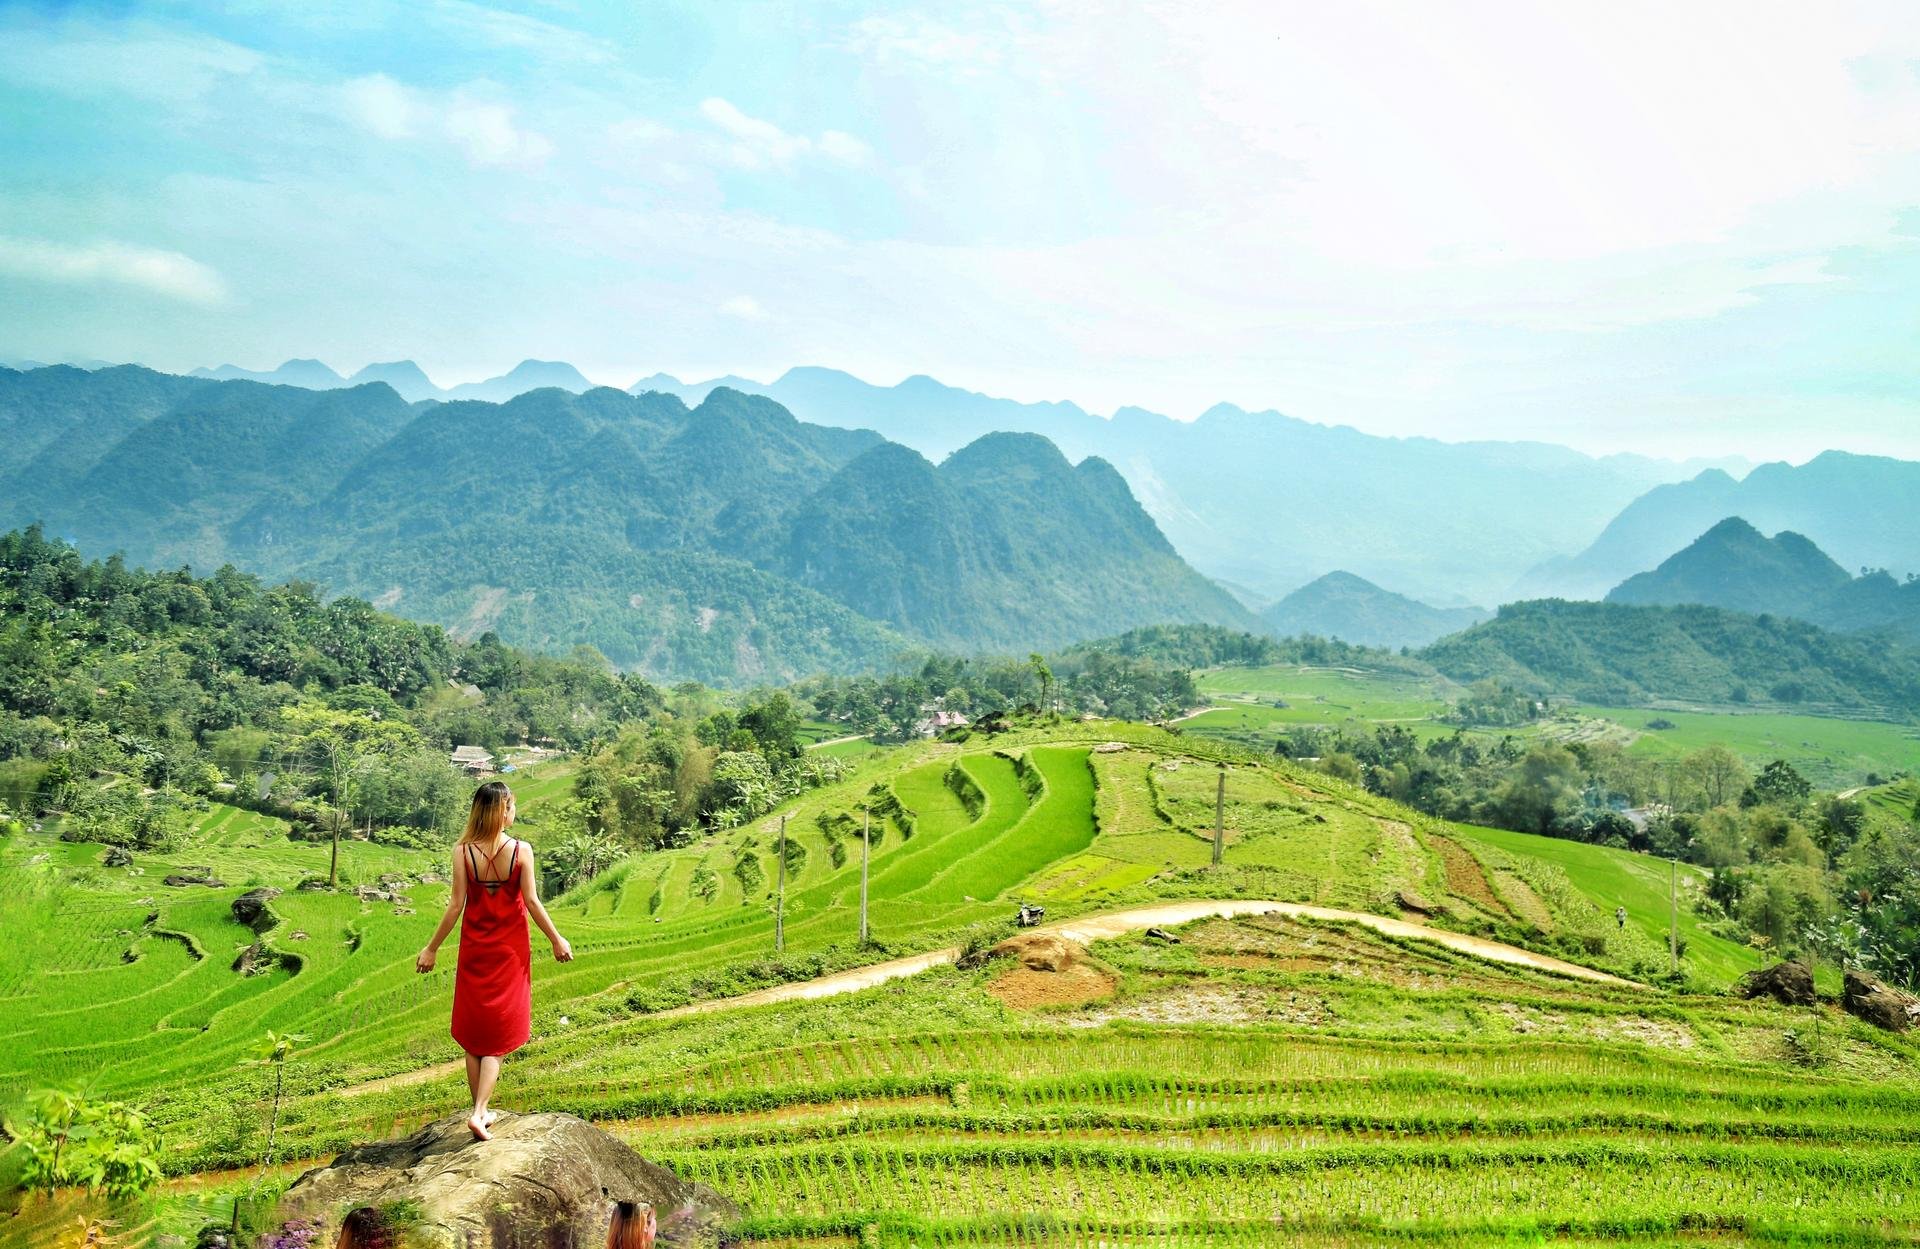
{"type": "Point", "coordinates": [1790, 984]}
{"type": "Point", "coordinates": [250, 908]}
{"type": "Point", "coordinates": [544, 1179]}
{"type": "Point", "coordinates": [1879, 1004]}
{"type": "Point", "coordinates": [117, 856]}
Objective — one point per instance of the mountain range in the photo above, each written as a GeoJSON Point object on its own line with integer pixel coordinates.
{"type": "Point", "coordinates": [1734, 565]}
{"type": "Point", "coordinates": [1260, 500]}
{"type": "Point", "coordinates": [726, 542]}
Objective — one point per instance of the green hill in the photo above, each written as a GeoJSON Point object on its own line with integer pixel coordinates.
{"type": "Point", "coordinates": [1735, 566]}
{"type": "Point", "coordinates": [1618, 654]}
{"type": "Point", "coordinates": [1353, 609]}
{"type": "Point", "coordinates": [727, 543]}
{"type": "Point", "coordinates": [1269, 1077]}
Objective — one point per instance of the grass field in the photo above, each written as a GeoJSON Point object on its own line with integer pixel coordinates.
{"type": "Point", "coordinates": [1313, 1082]}
{"type": "Point", "coordinates": [1255, 706]}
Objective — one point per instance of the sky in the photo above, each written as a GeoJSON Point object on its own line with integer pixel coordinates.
{"type": "Point", "coordinates": [1678, 230]}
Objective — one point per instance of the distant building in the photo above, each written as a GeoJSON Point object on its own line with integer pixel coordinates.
{"type": "Point", "coordinates": [936, 722]}
{"type": "Point", "coordinates": [473, 760]}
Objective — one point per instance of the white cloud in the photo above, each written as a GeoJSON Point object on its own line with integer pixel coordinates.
{"type": "Point", "coordinates": [488, 134]}
{"type": "Point", "coordinates": [380, 105]}
{"type": "Point", "coordinates": [159, 272]}
{"type": "Point", "coordinates": [759, 144]}
{"type": "Point", "coordinates": [745, 307]}
{"type": "Point", "coordinates": [482, 129]}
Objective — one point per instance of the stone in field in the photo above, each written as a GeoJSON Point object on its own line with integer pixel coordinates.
{"type": "Point", "coordinates": [544, 1179]}
{"type": "Point", "coordinates": [1879, 1004]}
{"type": "Point", "coordinates": [250, 908]}
{"type": "Point", "coordinates": [117, 856]}
{"type": "Point", "coordinates": [1790, 984]}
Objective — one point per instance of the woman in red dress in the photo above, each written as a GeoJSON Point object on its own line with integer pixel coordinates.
{"type": "Point", "coordinates": [493, 893]}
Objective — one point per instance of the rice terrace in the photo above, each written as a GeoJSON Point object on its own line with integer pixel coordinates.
{"type": "Point", "coordinates": [1259, 1077]}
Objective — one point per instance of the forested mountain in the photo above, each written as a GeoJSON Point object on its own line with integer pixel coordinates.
{"type": "Point", "coordinates": [1266, 500]}
{"type": "Point", "coordinates": [1857, 508]}
{"type": "Point", "coordinates": [1353, 609]}
{"type": "Point", "coordinates": [1259, 499]}
{"type": "Point", "coordinates": [1734, 565]}
{"type": "Point", "coordinates": [408, 380]}
{"type": "Point", "coordinates": [727, 542]}
{"type": "Point", "coordinates": [1620, 654]}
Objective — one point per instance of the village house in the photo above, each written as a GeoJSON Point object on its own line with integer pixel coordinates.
{"type": "Point", "coordinates": [936, 722]}
{"type": "Point", "coordinates": [473, 760]}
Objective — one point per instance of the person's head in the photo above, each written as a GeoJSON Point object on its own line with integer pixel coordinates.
{"type": "Point", "coordinates": [491, 813]}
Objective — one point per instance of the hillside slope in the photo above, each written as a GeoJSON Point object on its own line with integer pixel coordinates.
{"type": "Point", "coordinates": [1619, 654]}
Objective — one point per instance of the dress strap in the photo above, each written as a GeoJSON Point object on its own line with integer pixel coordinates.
{"type": "Point", "coordinates": [513, 864]}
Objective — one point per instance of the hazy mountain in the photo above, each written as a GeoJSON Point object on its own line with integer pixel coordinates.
{"type": "Point", "coordinates": [1859, 509]}
{"type": "Point", "coordinates": [1734, 565]}
{"type": "Point", "coordinates": [406, 378]}
{"type": "Point", "coordinates": [310, 374]}
{"type": "Point", "coordinates": [1266, 501]}
{"type": "Point", "coordinates": [1353, 609]}
{"type": "Point", "coordinates": [1621, 654]}
{"type": "Point", "coordinates": [727, 542]}
{"type": "Point", "coordinates": [524, 376]}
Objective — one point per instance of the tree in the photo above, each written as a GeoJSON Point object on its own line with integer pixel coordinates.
{"type": "Point", "coordinates": [274, 1052]}
{"type": "Point", "coordinates": [342, 743]}
{"type": "Point", "coordinates": [1043, 674]}
{"type": "Point", "coordinates": [1720, 773]}
{"type": "Point", "coordinates": [1779, 783]}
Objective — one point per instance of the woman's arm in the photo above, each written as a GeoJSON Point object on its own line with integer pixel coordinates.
{"type": "Point", "coordinates": [456, 903]}
{"type": "Point", "coordinates": [530, 890]}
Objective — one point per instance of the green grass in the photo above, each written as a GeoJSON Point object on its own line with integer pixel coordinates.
{"type": "Point", "coordinates": [1831, 753]}
{"type": "Point", "coordinates": [1639, 882]}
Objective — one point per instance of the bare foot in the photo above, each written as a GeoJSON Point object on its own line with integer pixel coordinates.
{"type": "Point", "coordinates": [477, 1124]}
{"type": "Point", "coordinates": [486, 1120]}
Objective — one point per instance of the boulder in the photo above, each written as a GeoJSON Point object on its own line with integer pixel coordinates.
{"type": "Point", "coordinates": [544, 1179]}
{"type": "Point", "coordinates": [255, 959]}
{"type": "Point", "coordinates": [250, 908]}
{"type": "Point", "coordinates": [313, 884]}
{"type": "Point", "coordinates": [367, 893]}
{"type": "Point", "coordinates": [1790, 984]}
{"type": "Point", "coordinates": [1042, 951]}
{"type": "Point", "coordinates": [117, 856]}
{"type": "Point", "coordinates": [179, 881]}
{"type": "Point", "coordinates": [1879, 1004]}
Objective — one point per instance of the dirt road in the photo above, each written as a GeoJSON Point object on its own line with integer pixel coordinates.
{"type": "Point", "coordinates": [1083, 929]}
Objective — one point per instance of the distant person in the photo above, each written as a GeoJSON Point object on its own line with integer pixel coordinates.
{"type": "Point", "coordinates": [493, 976]}
{"type": "Point", "coordinates": [1620, 916]}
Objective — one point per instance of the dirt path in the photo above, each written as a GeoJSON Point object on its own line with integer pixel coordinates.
{"type": "Point", "coordinates": [1085, 929]}
{"type": "Point", "coordinates": [835, 741]}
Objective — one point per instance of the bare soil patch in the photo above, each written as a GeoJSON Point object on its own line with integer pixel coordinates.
{"type": "Point", "coordinates": [1520, 895]}
{"type": "Point", "coordinates": [1026, 988]}
{"type": "Point", "coordinates": [1465, 877]}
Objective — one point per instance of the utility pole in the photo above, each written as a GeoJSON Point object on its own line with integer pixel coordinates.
{"type": "Point", "coordinates": [1673, 915]}
{"type": "Point", "coordinates": [1220, 815]}
{"type": "Point", "coordinates": [866, 821]}
{"type": "Point", "coordinates": [780, 893]}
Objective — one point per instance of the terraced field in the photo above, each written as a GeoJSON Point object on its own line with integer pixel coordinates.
{"type": "Point", "coordinates": [1263, 1076]}
{"type": "Point", "coordinates": [1264, 1079]}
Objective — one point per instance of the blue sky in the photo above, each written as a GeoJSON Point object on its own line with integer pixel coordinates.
{"type": "Point", "coordinates": [1677, 229]}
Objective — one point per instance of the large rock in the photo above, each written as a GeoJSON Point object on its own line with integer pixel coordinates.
{"type": "Point", "coordinates": [117, 856]}
{"type": "Point", "coordinates": [1790, 984]}
{"type": "Point", "coordinates": [1879, 1004]}
{"type": "Point", "coordinates": [180, 880]}
{"type": "Point", "coordinates": [544, 1179]}
{"type": "Point", "coordinates": [250, 908]}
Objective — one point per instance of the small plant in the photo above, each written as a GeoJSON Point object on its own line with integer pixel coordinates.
{"type": "Point", "coordinates": [274, 1053]}
{"type": "Point", "coordinates": [68, 1140]}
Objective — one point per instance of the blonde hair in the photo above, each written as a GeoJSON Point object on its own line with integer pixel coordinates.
{"type": "Point", "coordinates": [488, 816]}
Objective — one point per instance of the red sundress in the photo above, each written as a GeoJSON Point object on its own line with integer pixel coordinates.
{"type": "Point", "coordinates": [493, 979]}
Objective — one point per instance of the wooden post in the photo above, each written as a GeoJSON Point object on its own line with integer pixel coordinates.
{"type": "Point", "coordinates": [780, 893]}
{"type": "Point", "coordinates": [1673, 915]}
{"type": "Point", "coordinates": [866, 822]}
{"type": "Point", "coordinates": [1220, 815]}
